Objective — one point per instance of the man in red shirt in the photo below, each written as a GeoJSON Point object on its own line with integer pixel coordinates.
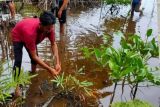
{"type": "Point", "coordinates": [28, 33]}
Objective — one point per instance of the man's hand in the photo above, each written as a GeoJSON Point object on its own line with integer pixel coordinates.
{"type": "Point", "coordinates": [54, 72]}
{"type": "Point", "coordinates": [58, 68]}
{"type": "Point", "coordinates": [59, 13]}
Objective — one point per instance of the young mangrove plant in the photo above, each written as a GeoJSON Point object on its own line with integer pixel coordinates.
{"type": "Point", "coordinates": [21, 77]}
{"type": "Point", "coordinates": [135, 43]}
{"type": "Point", "coordinates": [73, 87]}
{"type": "Point", "coordinates": [128, 64]}
{"type": "Point", "coordinates": [71, 83]}
{"type": "Point", "coordinates": [5, 85]}
{"type": "Point", "coordinates": [8, 82]}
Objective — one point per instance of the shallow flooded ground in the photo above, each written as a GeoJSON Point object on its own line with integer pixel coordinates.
{"type": "Point", "coordinates": [84, 28]}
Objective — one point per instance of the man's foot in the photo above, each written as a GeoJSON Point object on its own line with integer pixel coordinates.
{"type": "Point", "coordinates": [141, 12]}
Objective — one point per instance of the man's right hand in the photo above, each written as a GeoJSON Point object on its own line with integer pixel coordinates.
{"type": "Point", "coordinates": [54, 72]}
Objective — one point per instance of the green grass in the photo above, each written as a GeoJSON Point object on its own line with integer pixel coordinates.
{"type": "Point", "coordinates": [133, 103]}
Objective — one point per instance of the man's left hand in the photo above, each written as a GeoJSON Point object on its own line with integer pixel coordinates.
{"type": "Point", "coordinates": [58, 68]}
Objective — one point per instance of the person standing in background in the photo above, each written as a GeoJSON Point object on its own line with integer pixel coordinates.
{"type": "Point", "coordinates": [8, 4]}
{"type": "Point", "coordinates": [136, 7]}
{"type": "Point", "coordinates": [59, 8]}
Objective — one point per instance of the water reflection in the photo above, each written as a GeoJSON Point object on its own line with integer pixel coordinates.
{"type": "Point", "coordinates": [65, 53]}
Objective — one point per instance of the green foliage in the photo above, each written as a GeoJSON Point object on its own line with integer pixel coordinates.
{"type": "Point", "coordinates": [59, 80]}
{"type": "Point", "coordinates": [87, 52]}
{"type": "Point", "coordinates": [122, 63]}
{"type": "Point", "coordinates": [22, 77]}
{"type": "Point", "coordinates": [5, 86]}
{"type": "Point", "coordinates": [135, 43]}
{"type": "Point", "coordinates": [149, 32]}
{"type": "Point", "coordinates": [155, 79]}
{"type": "Point", "coordinates": [71, 83]}
{"type": "Point", "coordinates": [125, 2]}
{"type": "Point", "coordinates": [101, 56]}
{"type": "Point", "coordinates": [8, 82]}
{"type": "Point", "coordinates": [81, 71]}
{"type": "Point", "coordinates": [106, 39]}
{"type": "Point", "coordinates": [134, 103]}
{"type": "Point", "coordinates": [130, 61]}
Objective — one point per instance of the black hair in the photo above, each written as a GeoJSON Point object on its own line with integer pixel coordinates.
{"type": "Point", "coordinates": [35, 16]}
{"type": "Point", "coordinates": [47, 18]}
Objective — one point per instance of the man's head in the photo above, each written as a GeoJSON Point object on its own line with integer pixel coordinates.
{"type": "Point", "coordinates": [47, 19]}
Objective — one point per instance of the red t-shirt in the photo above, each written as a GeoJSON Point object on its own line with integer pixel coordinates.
{"type": "Point", "coordinates": [27, 31]}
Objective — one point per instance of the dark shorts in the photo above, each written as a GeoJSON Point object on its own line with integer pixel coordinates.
{"type": "Point", "coordinates": [8, 1]}
{"type": "Point", "coordinates": [135, 6]}
{"type": "Point", "coordinates": [18, 52]}
{"type": "Point", "coordinates": [55, 10]}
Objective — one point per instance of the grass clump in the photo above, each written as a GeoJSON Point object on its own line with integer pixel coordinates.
{"type": "Point", "coordinates": [132, 103]}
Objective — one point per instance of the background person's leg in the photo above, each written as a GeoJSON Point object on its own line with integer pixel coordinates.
{"type": "Point", "coordinates": [133, 9]}
{"type": "Point", "coordinates": [12, 9]}
{"type": "Point", "coordinates": [62, 28]}
{"type": "Point", "coordinates": [137, 9]}
{"type": "Point", "coordinates": [62, 20]}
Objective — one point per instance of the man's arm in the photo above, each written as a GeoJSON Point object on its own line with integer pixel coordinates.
{"type": "Point", "coordinates": [55, 51]}
{"type": "Point", "coordinates": [12, 9]}
{"type": "Point", "coordinates": [64, 5]}
{"type": "Point", "coordinates": [41, 63]}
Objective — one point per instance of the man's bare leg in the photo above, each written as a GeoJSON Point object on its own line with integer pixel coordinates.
{"type": "Point", "coordinates": [12, 9]}
{"type": "Point", "coordinates": [33, 68]}
{"type": "Point", "coordinates": [62, 27]}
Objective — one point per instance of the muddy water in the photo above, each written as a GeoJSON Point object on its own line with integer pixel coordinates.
{"type": "Point", "coordinates": [84, 27]}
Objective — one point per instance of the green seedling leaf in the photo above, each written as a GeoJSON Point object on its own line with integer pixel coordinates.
{"type": "Point", "coordinates": [149, 32]}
